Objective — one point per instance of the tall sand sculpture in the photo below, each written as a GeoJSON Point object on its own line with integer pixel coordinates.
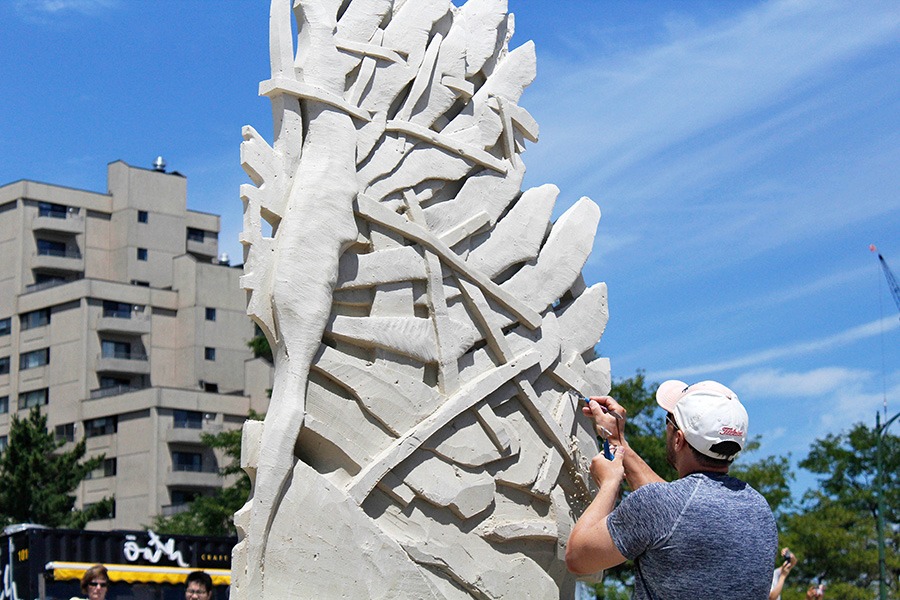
{"type": "Point", "coordinates": [430, 326]}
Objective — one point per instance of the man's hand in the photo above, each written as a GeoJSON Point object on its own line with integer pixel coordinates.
{"type": "Point", "coordinates": [608, 417]}
{"type": "Point", "coordinates": [609, 472]}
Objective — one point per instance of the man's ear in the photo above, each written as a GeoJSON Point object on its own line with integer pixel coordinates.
{"type": "Point", "coordinates": [679, 440]}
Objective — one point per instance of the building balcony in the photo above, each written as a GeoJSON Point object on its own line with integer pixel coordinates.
{"type": "Point", "coordinates": [124, 322]}
{"type": "Point", "coordinates": [169, 510]}
{"type": "Point", "coordinates": [193, 479]}
{"type": "Point", "coordinates": [115, 390]}
{"type": "Point", "coordinates": [208, 247]}
{"type": "Point", "coordinates": [190, 435]}
{"type": "Point", "coordinates": [68, 261]}
{"type": "Point", "coordinates": [123, 362]}
{"type": "Point", "coordinates": [36, 287]}
{"type": "Point", "coordinates": [62, 222]}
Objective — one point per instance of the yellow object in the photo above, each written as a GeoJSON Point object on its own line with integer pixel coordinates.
{"type": "Point", "coordinates": [136, 573]}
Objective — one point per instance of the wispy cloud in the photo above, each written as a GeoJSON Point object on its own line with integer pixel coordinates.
{"type": "Point", "coordinates": [842, 338]}
{"type": "Point", "coordinates": [645, 102]}
{"type": "Point", "coordinates": [780, 384]}
{"type": "Point", "coordinates": [46, 8]}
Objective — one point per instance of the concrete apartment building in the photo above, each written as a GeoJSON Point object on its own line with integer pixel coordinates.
{"type": "Point", "coordinates": [117, 318]}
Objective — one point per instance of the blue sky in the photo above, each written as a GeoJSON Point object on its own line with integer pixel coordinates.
{"type": "Point", "coordinates": [743, 154]}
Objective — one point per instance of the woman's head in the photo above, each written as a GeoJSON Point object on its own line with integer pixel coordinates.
{"type": "Point", "coordinates": [95, 582]}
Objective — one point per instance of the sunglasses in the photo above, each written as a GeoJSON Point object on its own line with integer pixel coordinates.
{"type": "Point", "coordinates": [98, 584]}
{"type": "Point", "coordinates": [670, 418]}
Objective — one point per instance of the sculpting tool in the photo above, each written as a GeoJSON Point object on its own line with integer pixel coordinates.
{"type": "Point", "coordinates": [602, 441]}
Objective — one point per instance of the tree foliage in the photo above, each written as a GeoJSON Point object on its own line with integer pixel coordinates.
{"type": "Point", "coordinates": [214, 514]}
{"type": "Point", "coordinates": [37, 480]}
{"type": "Point", "coordinates": [834, 531]}
{"type": "Point", "coordinates": [259, 344]}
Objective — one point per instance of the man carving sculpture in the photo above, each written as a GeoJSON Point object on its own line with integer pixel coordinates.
{"type": "Point", "coordinates": [705, 535]}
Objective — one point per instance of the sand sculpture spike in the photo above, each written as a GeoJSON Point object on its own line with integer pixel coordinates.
{"type": "Point", "coordinates": [427, 319]}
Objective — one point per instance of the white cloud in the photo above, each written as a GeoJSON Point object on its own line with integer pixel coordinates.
{"type": "Point", "coordinates": [643, 103]}
{"type": "Point", "coordinates": [58, 7]}
{"type": "Point", "coordinates": [776, 383]}
{"type": "Point", "coordinates": [836, 340]}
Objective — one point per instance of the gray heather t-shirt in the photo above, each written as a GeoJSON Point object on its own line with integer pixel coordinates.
{"type": "Point", "coordinates": [707, 536]}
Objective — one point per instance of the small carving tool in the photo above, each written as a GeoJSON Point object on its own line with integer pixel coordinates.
{"type": "Point", "coordinates": [602, 441]}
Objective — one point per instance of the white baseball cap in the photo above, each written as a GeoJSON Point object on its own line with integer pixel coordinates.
{"type": "Point", "coordinates": [707, 413]}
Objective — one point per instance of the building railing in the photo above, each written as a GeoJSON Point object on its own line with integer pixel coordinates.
{"type": "Point", "coordinates": [36, 287]}
{"type": "Point", "coordinates": [169, 510]}
{"type": "Point", "coordinates": [59, 253]}
{"type": "Point", "coordinates": [115, 390]}
{"type": "Point", "coordinates": [124, 355]}
{"type": "Point", "coordinates": [58, 212]}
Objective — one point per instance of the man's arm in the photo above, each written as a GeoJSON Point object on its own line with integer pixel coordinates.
{"type": "Point", "coordinates": [602, 410]}
{"type": "Point", "coordinates": [590, 547]}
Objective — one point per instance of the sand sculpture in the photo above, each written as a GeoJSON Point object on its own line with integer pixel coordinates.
{"type": "Point", "coordinates": [428, 321]}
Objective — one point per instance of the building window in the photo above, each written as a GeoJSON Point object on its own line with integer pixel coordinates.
{"type": "Point", "coordinates": [33, 398]}
{"type": "Point", "coordinates": [142, 254]}
{"type": "Point", "coordinates": [210, 387]}
{"type": "Point", "coordinates": [114, 382]}
{"type": "Point", "coordinates": [143, 217]}
{"type": "Point", "coordinates": [101, 426]}
{"type": "Point", "coordinates": [51, 248]}
{"type": "Point", "coordinates": [117, 310]}
{"type": "Point", "coordinates": [210, 314]}
{"type": "Point", "coordinates": [140, 283]}
{"type": "Point", "coordinates": [4, 405]}
{"type": "Point", "coordinates": [66, 432]}
{"type": "Point", "coordinates": [194, 234]}
{"type": "Point", "coordinates": [182, 497]}
{"type": "Point", "coordinates": [113, 349]}
{"type": "Point", "coordinates": [35, 318]}
{"type": "Point", "coordinates": [47, 280]}
{"type": "Point", "coordinates": [110, 515]}
{"type": "Point", "coordinates": [47, 209]}
{"type": "Point", "coordinates": [107, 469]}
{"type": "Point", "coordinates": [33, 359]}
{"type": "Point", "coordinates": [6, 326]}
{"type": "Point", "coordinates": [188, 419]}
{"type": "Point", "coordinates": [187, 461]}
{"type": "Point", "coordinates": [209, 353]}
{"type": "Point", "coordinates": [4, 443]}
{"type": "Point", "coordinates": [4, 365]}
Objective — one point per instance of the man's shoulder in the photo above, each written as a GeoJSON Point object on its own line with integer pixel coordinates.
{"type": "Point", "coordinates": [668, 492]}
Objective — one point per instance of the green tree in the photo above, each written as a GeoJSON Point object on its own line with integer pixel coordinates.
{"type": "Point", "coordinates": [37, 481]}
{"type": "Point", "coordinates": [259, 344]}
{"type": "Point", "coordinates": [214, 514]}
{"type": "Point", "coordinates": [646, 434]}
{"type": "Point", "coordinates": [834, 531]}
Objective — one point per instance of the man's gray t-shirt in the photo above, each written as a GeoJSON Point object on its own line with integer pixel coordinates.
{"type": "Point", "coordinates": [707, 536]}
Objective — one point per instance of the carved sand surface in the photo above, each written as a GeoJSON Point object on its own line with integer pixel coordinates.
{"type": "Point", "coordinates": [429, 323]}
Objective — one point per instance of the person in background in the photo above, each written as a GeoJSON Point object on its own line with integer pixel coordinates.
{"type": "Point", "coordinates": [95, 583]}
{"type": "Point", "coordinates": [198, 585]}
{"type": "Point", "coordinates": [816, 592]}
{"type": "Point", "coordinates": [781, 573]}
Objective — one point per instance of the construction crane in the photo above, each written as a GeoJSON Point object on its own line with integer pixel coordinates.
{"type": "Point", "coordinates": [892, 281]}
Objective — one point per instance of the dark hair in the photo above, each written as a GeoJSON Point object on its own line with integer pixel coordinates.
{"type": "Point", "coordinates": [202, 578]}
{"type": "Point", "coordinates": [92, 574]}
{"type": "Point", "coordinates": [727, 447]}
